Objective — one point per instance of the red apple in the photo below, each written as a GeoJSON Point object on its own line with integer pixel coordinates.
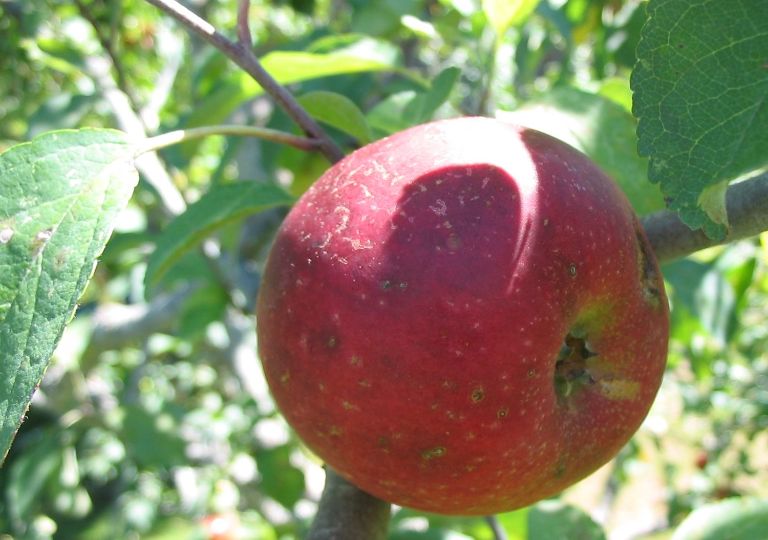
{"type": "Point", "coordinates": [463, 318]}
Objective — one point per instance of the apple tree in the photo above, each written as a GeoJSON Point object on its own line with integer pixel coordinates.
{"type": "Point", "coordinates": [151, 151]}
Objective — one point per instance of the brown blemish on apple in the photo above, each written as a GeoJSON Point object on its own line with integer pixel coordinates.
{"type": "Point", "coordinates": [572, 270]}
{"type": "Point", "coordinates": [502, 412]}
{"type": "Point", "coordinates": [383, 443]}
{"type": "Point", "coordinates": [453, 242]}
{"type": "Point", "coordinates": [649, 277]}
{"type": "Point", "coordinates": [560, 468]}
{"type": "Point", "coordinates": [477, 395]}
{"type": "Point", "coordinates": [348, 406]}
{"type": "Point", "coordinates": [433, 453]}
{"type": "Point", "coordinates": [355, 360]}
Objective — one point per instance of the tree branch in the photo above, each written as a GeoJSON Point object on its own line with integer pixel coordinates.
{"type": "Point", "coordinates": [347, 513]}
{"type": "Point", "coordinates": [747, 205]}
{"type": "Point", "coordinates": [244, 57]}
{"type": "Point", "coordinates": [243, 31]}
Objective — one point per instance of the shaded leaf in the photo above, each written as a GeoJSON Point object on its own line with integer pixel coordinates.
{"type": "Point", "coordinates": [424, 105]}
{"type": "Point", "coordinates": [736, 519]}
{"type": "Point", "coordinates": [149, 441]}
{"type": "Point", "coordinates": [554, 519]}
{"type": "Point", "coordinates": [59, 197]}
{"type": "Point", "coordinates": [218, 207]}
{"type": "Point", "coordinates": [409, 107]}
{"type": "Point", "coordinates": [700, 89]}
{"type": "Point", "coordinates": [30, 474]}
{"type": "Point", "coordinates": [279, 478]}
{"type": "Point", "coordinates": [338, 111]}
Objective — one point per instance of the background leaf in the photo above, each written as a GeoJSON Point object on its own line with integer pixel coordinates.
{"type": "Point", "coordinates": [286, 67]}
{"type": "Point", "coordinates": [600, 128]}
{"type": "Point", "coordinates": [700, 93]}
{"type": "Point", "coordinates": [410, 107]}
{"type": "Point", "coordinates": [337, 111]}
{"type": "Point", "coordinates": [554, 519]}
{"type": "Point", "coordinates": [503, 14]}
{"type": "Point", "coordinates": [735, 519]}
{"type": "Point", "coordinates": [222, 204]}
{"type": "Point", "coordinates": [59, 196]}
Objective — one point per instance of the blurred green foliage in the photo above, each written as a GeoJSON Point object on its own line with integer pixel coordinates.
{"type": "Point", "coordinates": [153, 421]}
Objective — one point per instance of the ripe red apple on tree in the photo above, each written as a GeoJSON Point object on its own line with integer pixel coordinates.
{"type": "Point", "coordinates": [463, 318]}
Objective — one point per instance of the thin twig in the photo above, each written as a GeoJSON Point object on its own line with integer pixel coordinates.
{"type": "Point", "coordinates": [175, 137]}
{"type": "Point", "coordinates": [496, 529]}
{"type": "Point", "coordinates": [244, 57]}
{"type": "Point", "coordinates": [243, 31]}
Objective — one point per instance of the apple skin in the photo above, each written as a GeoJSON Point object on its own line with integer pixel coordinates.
{"type": "Point", "coordinates": [463, 318]}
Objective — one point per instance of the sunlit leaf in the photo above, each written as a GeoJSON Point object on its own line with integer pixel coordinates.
{"type": "Point", "coordinates": [700, 93]}
{"type": "Point", "coordinates": [59, 197]}
{"type": "Point", "coordinates": [503, 14]}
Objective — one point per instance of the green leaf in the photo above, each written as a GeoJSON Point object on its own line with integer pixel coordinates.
{"type": "Point", "coordinates": [409, 107]}
{"type": "Point", "coordinates": [279, 478]}
{"type": "Point", "coordinates": [424, 105]}
{"type": "Point", "coordinates": [30, 474]}
{"type": "Point", "coordinates": [219, 206]}
{"type": "Point", "coordinates": [554, 519]}
{"type": "Point", "coordinates": [59, 197]}
{"type": "Point", "coordinates": [286, 67]}
{"type": "Point", "coordinates": [600, 128]}
{"type": "Point", "coordinates": [149, 440]}
{"type": "Point", "coordinates": [338, 111]}
{"type": "Point", "coordinates": [736, 519]}
{"type": "Point", "coordinates": [515, 524]}
{"type": "Point", "coordinates": [503, 14]}
{"type": "Point", "coordinates": [388, 115]}
{"type": "Point", "coordinates": [700, 89]}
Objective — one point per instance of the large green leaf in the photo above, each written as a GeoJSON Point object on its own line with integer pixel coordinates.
{"type": "Point", "coordinates": [700, 89]}
{"type": "Point", "coordinates": [59, 197]}
{"type": "Point", "coordinates": [221, 205]}
{"type": "Point", "coordinates": [734, 519]}
{"type": "Point", "coordinates": [600, 128]}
